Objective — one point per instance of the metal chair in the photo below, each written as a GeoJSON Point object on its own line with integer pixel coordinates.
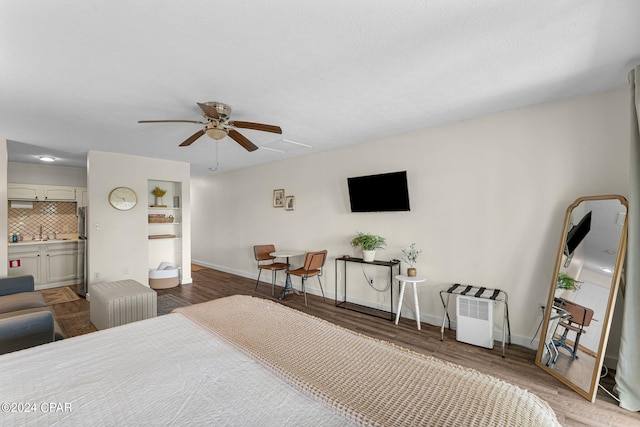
{"type": "Point", "coordinates": [313, 264]}
{"type": "Point", "coordinates": [261, 253]}
{"type": "Point", "coordinates": [580, 318]}
{"type": "Point", "coordinates": [557, 315]}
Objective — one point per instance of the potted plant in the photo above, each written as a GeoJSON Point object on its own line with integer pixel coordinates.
{"type": "Point", "coordinates": [567, 282]}
{"type": "Point", "coordinates": [410, 256]}
{"type": "Point", "coordinates": [369, 243]}
{"type": "Point", "coordinates": [158, 192]}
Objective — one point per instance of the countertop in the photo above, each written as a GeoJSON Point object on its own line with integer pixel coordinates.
{"type": "Point", "coordinates": [27, 242]}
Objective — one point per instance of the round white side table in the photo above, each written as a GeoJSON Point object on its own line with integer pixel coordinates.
{"type": "Point", "coordinates": [403, 281]}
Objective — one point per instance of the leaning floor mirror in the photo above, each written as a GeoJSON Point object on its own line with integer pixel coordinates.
{"type": "Point", "coordinates": [583, 292]}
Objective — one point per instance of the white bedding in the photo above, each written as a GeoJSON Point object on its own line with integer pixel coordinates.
{"type": "Point", "coordinates": [170, 371]}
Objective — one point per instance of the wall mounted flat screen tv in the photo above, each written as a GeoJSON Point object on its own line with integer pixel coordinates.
{"type": "Point", "coordinates": [379, 193]}
{"type": "Point", "coordinates": [577, 234]}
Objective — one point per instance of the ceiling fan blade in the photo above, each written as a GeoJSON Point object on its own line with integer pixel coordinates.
{"type": "Point", "coordinates": [192, 138]}
{"type": "Point", "coordinates": [256, 126]}
{"type": "Point", "coordinates": [240, 139]}
{"type": "Point", "coordinates": [209, 111]}
{"type": "Point", "coordinates": [171, 121]}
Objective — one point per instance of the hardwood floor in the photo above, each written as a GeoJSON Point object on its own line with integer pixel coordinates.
{"type": "Point", "coordinates": [516, 368]}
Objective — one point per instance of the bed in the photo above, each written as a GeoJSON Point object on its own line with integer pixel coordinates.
{"type": "Point", "coordinates": [247, 361]}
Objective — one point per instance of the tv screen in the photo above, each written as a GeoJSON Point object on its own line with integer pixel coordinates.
{"type": "Point", "coordinates": [379, 193]}
{"type": "Point", "coordinates": [577, 234]}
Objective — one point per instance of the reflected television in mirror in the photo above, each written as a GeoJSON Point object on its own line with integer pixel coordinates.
{"type": "Point", "coordinates": [577, 233]}
{"type": "Point", "coordinates": [583, 291]}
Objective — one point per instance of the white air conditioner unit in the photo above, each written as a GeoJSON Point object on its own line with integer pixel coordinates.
{"type": "Point", "coordinates": [474, 323]}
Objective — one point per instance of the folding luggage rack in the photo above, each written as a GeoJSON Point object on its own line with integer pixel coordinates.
{"type": "Point", "coordinates": [477, 292]}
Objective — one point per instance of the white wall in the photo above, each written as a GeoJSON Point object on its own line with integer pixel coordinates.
{"type": "Point", "coordinates": [4, 209]}
{"type": "Point", "coordinates": [488, 198]}
{"type": "Point", "coordinates": [28, 173]}
{"type": "Point", "coordinates": [118, 240]}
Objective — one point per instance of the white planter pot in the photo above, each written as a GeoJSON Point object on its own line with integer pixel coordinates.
{"type": "Point", "coordinates": [368, 256]}
{"type": "Point", "coordinates": [558, 292]}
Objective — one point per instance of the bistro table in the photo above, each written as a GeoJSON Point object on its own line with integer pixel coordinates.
{"type": "Point", "coordinates": [287, 253]}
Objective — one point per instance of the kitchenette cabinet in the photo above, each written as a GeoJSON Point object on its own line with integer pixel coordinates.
{"type": "Point", "coordinates": [82, 197]}
{"type": "Point", "coordinates": [61, 263]}
{"type": "Point", "coordinates": [52, 263]}
{"type": "Point", "coordinates": [25, 260]}
{"type": "Point", "coordinates": [40, 192]}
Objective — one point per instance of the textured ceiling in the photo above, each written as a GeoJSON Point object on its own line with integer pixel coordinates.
{"type": "Point", "coordinates": [77, 75]}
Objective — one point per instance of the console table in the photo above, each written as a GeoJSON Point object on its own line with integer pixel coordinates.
{"type": "Point", "coordinates": [362, 308]}
{"type": "Point", "coordinates": [478, 292]}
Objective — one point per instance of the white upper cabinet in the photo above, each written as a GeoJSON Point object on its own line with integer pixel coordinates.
{"type": "Point", "coordinates": [40, 192]}
{"type": "Point", "coordinates": [59, 193]}
{"type": "Point", "coordinates": [82, 196]}
{"type": "Point", "coordinates": [23, 191]}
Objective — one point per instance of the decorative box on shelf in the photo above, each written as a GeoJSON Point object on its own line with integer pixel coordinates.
{"type": "Point", "coordinates": [160, 218]}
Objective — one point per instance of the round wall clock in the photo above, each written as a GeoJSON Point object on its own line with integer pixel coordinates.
{"type": "Point", "coordinates": [123, 198]}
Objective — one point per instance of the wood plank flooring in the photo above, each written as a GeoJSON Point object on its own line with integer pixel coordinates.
{"type": "Point", "coordinates": [517, 368]}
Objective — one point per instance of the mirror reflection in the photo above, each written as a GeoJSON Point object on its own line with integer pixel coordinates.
{"type": "Point", "coordinates": [582, 295]}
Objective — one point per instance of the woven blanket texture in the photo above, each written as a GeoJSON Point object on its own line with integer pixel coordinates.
{"type": "Point", "coordinates": [369, 381]}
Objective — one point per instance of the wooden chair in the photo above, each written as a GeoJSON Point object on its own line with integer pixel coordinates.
{"type": "Point", "coordinates": [266, 262]}
{"type": "Point", "coordinates": [313, 264]}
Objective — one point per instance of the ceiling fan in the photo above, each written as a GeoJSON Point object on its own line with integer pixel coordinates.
{"type": "Point", "coordinates": [218, 125]}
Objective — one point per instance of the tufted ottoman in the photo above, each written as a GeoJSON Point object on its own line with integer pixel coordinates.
{"type": "Point", "coordinates": [124, 301]}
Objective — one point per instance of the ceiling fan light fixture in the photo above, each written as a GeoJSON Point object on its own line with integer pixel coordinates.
{"type": "Point", "coordinates": [218, 126]}
{"type": "Point", "coordinates": [215, 133]}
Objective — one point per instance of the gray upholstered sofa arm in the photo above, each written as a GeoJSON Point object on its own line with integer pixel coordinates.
{"type": "Point", "coordinates": [22, 331]}
{"type": "Point", "coordinates": [14, 285]}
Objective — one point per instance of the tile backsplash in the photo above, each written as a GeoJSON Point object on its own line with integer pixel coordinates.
{"type": "Point", "coordinates": [54, 217]}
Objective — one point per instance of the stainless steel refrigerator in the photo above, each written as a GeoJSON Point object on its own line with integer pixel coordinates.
{"type": "Point", "coordinates": [83, 278]}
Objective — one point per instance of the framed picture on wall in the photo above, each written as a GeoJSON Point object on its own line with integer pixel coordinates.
{"type": "Point", "coordinates": [278, 198]}
{"type": "Point", "coordinates": [290, 203]}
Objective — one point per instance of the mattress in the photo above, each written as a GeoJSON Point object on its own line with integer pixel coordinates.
{"type": "Point", "coordinates": [162, 371]}
{"type": "Point", "coordinates": [246, 361]}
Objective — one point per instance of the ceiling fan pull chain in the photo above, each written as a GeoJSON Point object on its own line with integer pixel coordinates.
{"type": "Point", "coordinates": [217, 157]}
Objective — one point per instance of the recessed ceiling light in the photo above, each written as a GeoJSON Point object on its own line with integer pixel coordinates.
{"type": "Point", "coordinates": [47, 159]}
{"type": "Point", "coordinates": [607, 270]}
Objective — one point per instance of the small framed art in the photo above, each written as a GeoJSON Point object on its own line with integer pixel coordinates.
{"type": "Point", "coordinates": [278, 198]}
{"type": "Point", "coordinates": [290, 203]}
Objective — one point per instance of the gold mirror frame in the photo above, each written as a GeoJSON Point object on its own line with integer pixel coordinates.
{"type": "Point", "coordinates": [553, 315]}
